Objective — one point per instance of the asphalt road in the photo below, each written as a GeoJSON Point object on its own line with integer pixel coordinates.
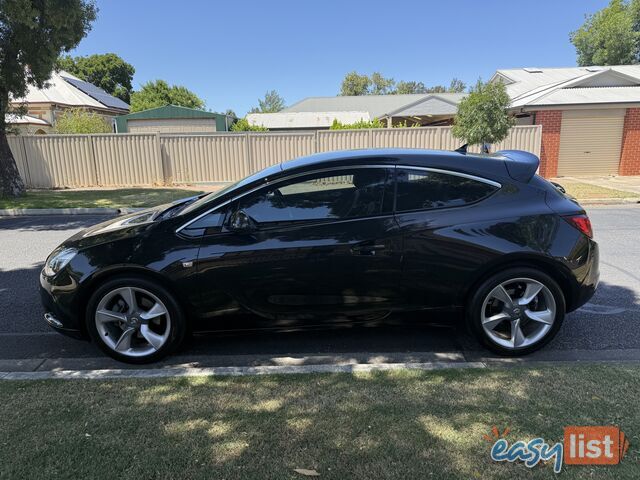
{"type": "Point", "coordinates": [606, 328]}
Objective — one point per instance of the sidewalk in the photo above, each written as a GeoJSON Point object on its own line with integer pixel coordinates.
{"type": "Point", "coordinates": [629, 184]}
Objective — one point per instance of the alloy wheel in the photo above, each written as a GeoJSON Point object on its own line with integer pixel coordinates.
{"type": "Point", "coordinates": [132, 321]}
{"type": "Point", "coordinates": [518, 313]}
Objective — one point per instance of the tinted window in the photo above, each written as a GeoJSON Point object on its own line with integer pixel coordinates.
{"type": "Point", "coordinates": [420, 190]}
{"type": "Point", "coordinates": [207, 225]}
{"type": "Point", "coordinates": [338, 195]}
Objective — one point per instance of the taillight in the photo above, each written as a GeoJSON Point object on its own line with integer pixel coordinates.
{"type": "Point", "coordinates": [581, 222]}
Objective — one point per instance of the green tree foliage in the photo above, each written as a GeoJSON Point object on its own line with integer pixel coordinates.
{"type": "Point", "coordinates": [33, 34]}
{"type": "Point", "coordinates": [160, 93]}
{"type": "Point", "coordinates": [271, 103]}
{"type": "Point", "coordinates": [243, 125]}
{"type": "Point", "coordinates": [375, 123]}
{"type": "Point", "coordinates": [79, 120]}
{"type": "Point", "coordinates": [355, 84]}
{"type": "Point", "coordinates": [610, 36]}
{"type": "Point", "coordinates": [107, 71]}
{"type": "Point", "coordinates": [381, 85]}
{"type": "Point", "coordinates": [376, 84]}
{"type": "Point", "coordinates": [403, 87]}
{"type": "Point", "coordinates": [482, 115]}
{"type": "Point", "coordinates": [457, 86]}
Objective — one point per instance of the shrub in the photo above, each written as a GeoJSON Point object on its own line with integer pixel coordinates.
{"type": "Point", "coordinates": [79, 120]}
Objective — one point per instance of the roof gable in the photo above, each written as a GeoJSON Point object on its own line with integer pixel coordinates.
{"type": "Point", "coordinates": [606, 78]}
{"type": "Point", "coordinates": [59, 91]}
{"type": "Point", "coordinates": [432, 104]}
{"type": "Point", "coordinates": [560, 86]}
{"type": "Point", "coordinates": [377, 106]}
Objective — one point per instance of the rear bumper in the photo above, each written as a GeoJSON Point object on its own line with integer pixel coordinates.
{"type": "Point", "coordinates": [588, 286]}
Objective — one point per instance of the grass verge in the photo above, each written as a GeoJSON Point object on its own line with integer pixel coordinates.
{"type": "Point", "coordinates": [121, 197]}
{"type": "Point", "coordinates": [586, 191]}
{"type": "Point", "coordinates": [400, 424]}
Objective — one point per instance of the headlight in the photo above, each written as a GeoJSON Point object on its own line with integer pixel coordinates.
{"type": "Point", "coordinates": [58, 259]}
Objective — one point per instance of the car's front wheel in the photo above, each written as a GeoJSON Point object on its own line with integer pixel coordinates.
{"type": "Point", "coordinates": [134, 320]}
{"type": "Point", "coordinates": [516, 311]}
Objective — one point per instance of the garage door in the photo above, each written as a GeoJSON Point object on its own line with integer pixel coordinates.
{"type": "Point", "coordinates": [590, 142]}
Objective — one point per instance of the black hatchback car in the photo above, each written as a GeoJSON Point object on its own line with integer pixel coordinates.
{"type": "Point", "coordinates": [334, 237]}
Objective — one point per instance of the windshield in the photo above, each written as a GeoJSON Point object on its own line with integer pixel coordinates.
{"type": "Point", "coordinates": [207, 198]}
{"type": "Point", "coordinates": [245, 181]}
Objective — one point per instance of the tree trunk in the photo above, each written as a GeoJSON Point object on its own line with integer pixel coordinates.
{"type": "Point", "coordinates": [11, 185]}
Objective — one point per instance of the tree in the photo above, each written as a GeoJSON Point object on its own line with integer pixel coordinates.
{"type": "Point", "coordinates": [436, 89]}
{"type": "Point", "coordinates": [243, 125]}
{"type": "Point", "coordinates": [107, 71]}
{"type": "Point", "coordinates": [611, 36]}
{"type": "Point", "coordinates": [229, 112]}
{"type": "Point", "coordinates": [33, 34]}
{"type": "Point", "coordinates": [403, 87]}
{"type": "Point", "coordinates": [79, 120]}
{"type": "Point", "coordinates": [159, 93]}
{"type": "Point", "coordinates": [355, 84]}
{"type": "Point", "coordinates": [457, 86]}
{"type": "Point", "coordinates": [271, 103]}
{"type": "Point", "coordinates": [381, 85]}
{"type": "Point", "coordinates": [376, 84]}
{"type": "Point", "coordinates": [482, 115]}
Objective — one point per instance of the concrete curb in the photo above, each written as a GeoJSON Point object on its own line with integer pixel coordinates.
{"type": "Point", "coordinates": [17, 212]}
{"type": "Point", "coordinates": [232, 371]}
{"type": "Point", "coordinates": [609, 201]}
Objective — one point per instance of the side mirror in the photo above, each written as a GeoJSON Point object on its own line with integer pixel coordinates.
{"type": "Point", "coordinates": [241, 222]}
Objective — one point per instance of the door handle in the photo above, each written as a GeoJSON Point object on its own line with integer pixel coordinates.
{"type": "Point", "coordinates": [367, 248]}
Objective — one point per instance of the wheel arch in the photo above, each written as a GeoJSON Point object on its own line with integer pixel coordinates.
{"type": "Point", "coordinates": [558, 272]}
{"type": "Point", "coordinates": [104, 275]}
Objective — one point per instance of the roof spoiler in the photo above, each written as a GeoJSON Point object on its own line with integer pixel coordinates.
{"type": "Point", "coordinates": [521, 165]}
{"type": "Point", "coordinates": [462, 149]}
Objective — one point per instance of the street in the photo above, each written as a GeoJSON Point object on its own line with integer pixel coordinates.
{"type": "Point", "coordinates": [606, 328]}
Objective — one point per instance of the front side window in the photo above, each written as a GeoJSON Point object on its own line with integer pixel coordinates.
{"type": "Point", "coordinates": [423, 190]}
{"type": "Point", "coordinates": [337, 195]}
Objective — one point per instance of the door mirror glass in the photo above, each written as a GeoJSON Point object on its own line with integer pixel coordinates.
{"type": "Point", "coordinates": [241, 222]}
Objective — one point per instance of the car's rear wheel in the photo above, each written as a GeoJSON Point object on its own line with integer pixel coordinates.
{"type": "Point", "coordinates": [516, 311]}
{"type": "Point", "coordinates": [134, 320]}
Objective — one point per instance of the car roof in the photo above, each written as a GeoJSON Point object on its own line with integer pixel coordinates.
{"type": "Point", "coordinates": [487, 165]}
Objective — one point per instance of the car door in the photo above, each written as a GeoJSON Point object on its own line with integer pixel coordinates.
{"type": "Point", "coordinates": [435, 210]}
{"type": "Point", "coordinates": [308, 246]}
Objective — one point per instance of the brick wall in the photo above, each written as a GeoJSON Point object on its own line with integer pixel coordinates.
{"type": "Point", "coordinates": [551, 121]}
{"type": "Point", "coordinates": [630, 155]}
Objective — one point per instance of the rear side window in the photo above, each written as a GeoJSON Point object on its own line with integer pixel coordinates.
{"type": "Point", "coordinates": [423, 190]}
{"type": "Point", "coordinates": [352, 193]}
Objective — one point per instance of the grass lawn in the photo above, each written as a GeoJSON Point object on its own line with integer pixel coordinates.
{"type": "Point", "coordinates": [122, 197]}
{"type": "Point", "coordinates": [585, 191]}
{"type": "Point", "coordinates": [400, 424]}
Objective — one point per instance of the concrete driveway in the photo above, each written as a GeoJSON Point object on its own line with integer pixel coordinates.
{"type": "Point", "coordinates": [629, 184]}
{"type": "Point", "coordinates": [606, 328]}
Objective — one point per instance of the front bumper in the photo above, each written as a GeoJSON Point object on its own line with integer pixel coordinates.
{"type": "Point", "coordinates": [60, 311]}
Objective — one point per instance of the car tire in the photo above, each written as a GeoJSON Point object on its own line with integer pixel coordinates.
{"type": "Point", "coordinates": [518, 328]}
{"type": "Point", "coordinates": [152, 327]}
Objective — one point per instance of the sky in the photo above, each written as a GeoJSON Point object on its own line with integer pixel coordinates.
{"type": "Point", "coordinates": [231, 52]}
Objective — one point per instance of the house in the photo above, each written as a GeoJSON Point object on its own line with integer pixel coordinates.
{"type": "Point", "coordinates": [63, 91]}
{"type": "Point", "coordinates": [318, 113]}
{"type": "Point", "coordinates": [173, 119]}
{"type": "Point", "coordinates": [590, 116]}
